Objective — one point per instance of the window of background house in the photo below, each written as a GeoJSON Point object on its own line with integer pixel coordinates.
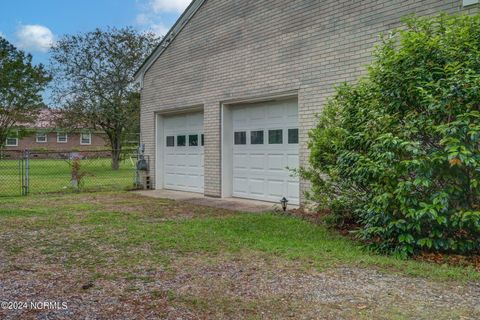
{"type": "Point", "coordinates": [170, 141]}
{"type": "Point", "coordinates": [62, 137]}
{"type": "Point", "coordinates": [275, 136]}
{"type": "Point", "coordinates": [85, 138]}
{"type": "Point", "coordinates": [256, 137]}
{"type": "Point", "coordinates": [181, 141]}
{"type": "Point", "coordinates": [203, 139]}
{"type": "Point", "coordinates": [11, 142]}
{"type": "Point", "coordinates": [240, 137]}
{"type": "Point", "coordinates": [193, 140]}
{"type": "Point", "coordinates": [41, 137]}
{"type": "Point", "coordinates": [292, 136]}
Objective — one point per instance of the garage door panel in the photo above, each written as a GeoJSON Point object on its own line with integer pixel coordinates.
{"type": "Point", "coordinates": [195, 121]}
{"type": "Point", "coordinates": [293, 189]}
{"type": "Point", "coordinates": [278, 173]}
{"type": "Point", "coordinates": [276, 188]}
{"type": "Point", "coordinates": [292, 161]}
{"type": "Point", "coordinates": [241, 173]}
{"type": "Point", "coordinates": [183, 165]}
{"type": "Point", "coordinates": [256, 174]}
{"type": "Point", "coordinates": [193, 166]}
{"type": "Point", "coordinates": [182, 180]}
{"type": "Point", "coordinates": [275, 114]}
{"type": "Point", "coordinates": [240, 118]}
{"type": "Point", "coordinates": [240, 160]}
{"type": "Point", "coordinates": [257, 114]}
{"type": "Point", "coordinates": [170, 179]}
{"type": "Point", "coordinates": [257, 161]}
{"type": "Point", "coordinates": [170, 159]}
{"type": "Point", "coordinates": [192, 160]}
{"type": "Point", "coordinates": [172, 124]}
{"type": "Point", "coordinates": [192, 181]}
{"type": "Point", "coordinates": [276, 162]}
{"type": "Point", "coordinates": [257, 186]}
{"type": "Point", "coordinates": [240, 185]}
{"type": "Point", "coordinates": [291, 112]}
{"type": "Point", "coordinates": [181, 162]}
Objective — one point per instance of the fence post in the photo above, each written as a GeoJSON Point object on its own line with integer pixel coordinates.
{"type": "Point", "coordinates": [26, 177]}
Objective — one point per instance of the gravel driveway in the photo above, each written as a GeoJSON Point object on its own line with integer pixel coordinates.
{"type": "Point", "coordinates": [235, 287]}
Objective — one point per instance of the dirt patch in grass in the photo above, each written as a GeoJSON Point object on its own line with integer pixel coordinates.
{"type": "Point", "coordinates": [129, 203]}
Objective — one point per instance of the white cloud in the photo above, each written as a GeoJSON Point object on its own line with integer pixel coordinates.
{"type": "Point", "coordinates": [159, 29]}
{"type": "Point", "coordinates": [169, 5]}
{"type": "Point", "coordinates": [151, 24]}
{"type": "Point", "coordinates": [152, 13]}
{"type": "Point", "coordinates": [33, 37]}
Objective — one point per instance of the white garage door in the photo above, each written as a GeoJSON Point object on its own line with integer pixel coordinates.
{"type": "Point", "coordinates": [183, 152]}
{"type": "Point", "coordinates": [265, 144]}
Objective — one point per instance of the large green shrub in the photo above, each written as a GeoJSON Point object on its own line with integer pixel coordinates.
{"type": "Point", "coordinates": [399, 152]}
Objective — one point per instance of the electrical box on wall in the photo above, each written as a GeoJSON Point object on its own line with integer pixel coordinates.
{"type": "Point", "coordinates": [469, 2]}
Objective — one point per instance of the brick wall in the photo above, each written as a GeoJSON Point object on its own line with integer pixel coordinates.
{"type": "Point", "coordinates": [245, 48]}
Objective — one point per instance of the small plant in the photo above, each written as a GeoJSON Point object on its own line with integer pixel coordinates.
{"type": "Point", "coordinates": [77, 174]}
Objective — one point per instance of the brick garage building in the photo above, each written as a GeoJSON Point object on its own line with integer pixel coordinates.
{"type": "Point", "coordinates": [230, 94]}
{"type": "Point", "coordinates": [44, 134]}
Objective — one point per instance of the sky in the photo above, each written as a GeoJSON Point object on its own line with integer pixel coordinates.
{"type": "Point", "coordinates": [33, 25]}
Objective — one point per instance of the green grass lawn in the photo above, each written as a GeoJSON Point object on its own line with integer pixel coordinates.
{"type": "Point", "coordinates": [51, 175]}
{"type": "Point", "coordinates": [188, 257]}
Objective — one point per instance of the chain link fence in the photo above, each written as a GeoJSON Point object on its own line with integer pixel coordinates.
{"type": "Point", "coordinates": [39, 172]}
{"type": "Point", "coordinates": [10, 173]}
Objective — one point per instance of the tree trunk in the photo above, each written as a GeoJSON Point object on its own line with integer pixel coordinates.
{"type": "Point", "coordinates": [116, 152]}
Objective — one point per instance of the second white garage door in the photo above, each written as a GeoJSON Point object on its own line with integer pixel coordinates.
{"type": "Point", "coordinates": [265, 144]}
{"type": "Point", "coordinates": [183, 152]}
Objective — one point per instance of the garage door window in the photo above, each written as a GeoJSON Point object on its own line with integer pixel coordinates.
{"type": "Point", "coordinates": [181, 141]}
{"type": "Point", "coordinates": [193, 140]}
{"type": "Point", "coordinates": [240, 137]}
{"type": "Point", "coordinates": [256, 137]}
{"type": "Point", "coordinates": [292, 136]}
{"type": "Point", "coordinates": [171, 141]}
{"type": "Point", "coordinates": [275, 136]}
